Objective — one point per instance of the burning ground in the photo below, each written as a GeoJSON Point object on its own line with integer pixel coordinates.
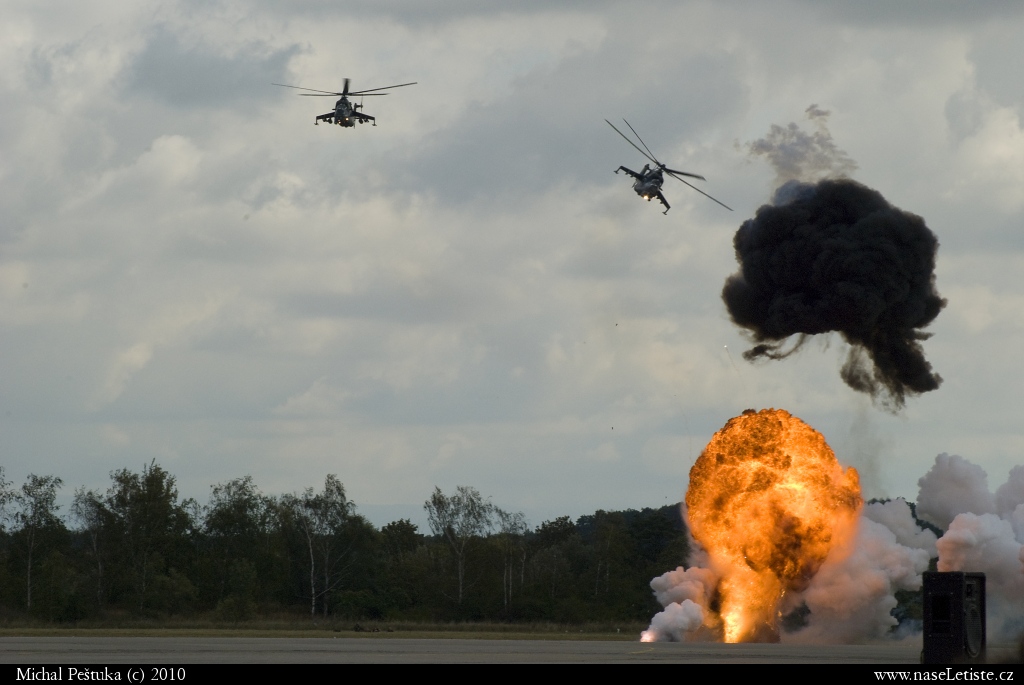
{"type": "Point", "coordinates": [786, 550]}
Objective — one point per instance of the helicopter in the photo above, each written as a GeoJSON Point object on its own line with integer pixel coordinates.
{"type": "Point", "coordinates": [649, 179]}
{"type": "Point", "coordinates": [345, 113]}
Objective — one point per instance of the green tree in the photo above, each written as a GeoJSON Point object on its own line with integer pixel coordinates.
{"type": "Point", "coordinates": [151, 531]}
{"type": "Point", "coordinates": [406, 566]}
{"type": "Point", "coordinates": [400, 539]}
{"type": "Point", "coordinates": [6, 497]}
{"type": "Point", "coordinates": [558, 561]}
{"type": "Point", "coordinates": [238, 525]}
{"type": "Point", "coordinates": [512, 530]}
{"type": "Point", "coordinates": [92, 516]}
{"type": "Point", "coordinates": [459, 519]}
{"type": "Point", "coordinates": [330, 531]}
{"type": "Point", "coordinates": [36, 519]}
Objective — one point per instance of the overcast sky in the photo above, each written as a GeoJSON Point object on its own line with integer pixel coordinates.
{"type": "Point", "coordinates": [465, 294]}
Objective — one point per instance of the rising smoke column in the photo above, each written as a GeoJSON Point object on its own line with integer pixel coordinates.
{"type": "Point", "coordinates": [834, 255]}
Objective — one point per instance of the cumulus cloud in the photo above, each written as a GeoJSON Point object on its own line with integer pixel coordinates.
{"type": "Point", "coordinates": [148, 161]}
{"type": "Point", "coordinates": [183, 75]}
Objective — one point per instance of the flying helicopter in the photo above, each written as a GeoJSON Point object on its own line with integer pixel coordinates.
{"type": "Point", "coordinates": [345, 113]}
{"type": "Point", "coordinates": [649, 179]}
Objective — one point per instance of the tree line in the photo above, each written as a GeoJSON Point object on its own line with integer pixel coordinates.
{"type": "Point", "coordinates": [137, 550]}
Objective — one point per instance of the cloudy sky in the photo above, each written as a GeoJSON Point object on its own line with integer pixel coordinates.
{"type": "Point", "coordinates": [191, 272]}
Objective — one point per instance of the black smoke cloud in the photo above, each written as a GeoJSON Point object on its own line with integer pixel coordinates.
{"type": "Point", "coordinates": [836, 256]}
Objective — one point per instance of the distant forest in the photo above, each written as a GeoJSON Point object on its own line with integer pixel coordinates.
{"type": "Point", "coordinates": [138, 551]}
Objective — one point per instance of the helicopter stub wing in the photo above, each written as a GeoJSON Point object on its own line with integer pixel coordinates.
{"type": "Point", "coordinates": [662, 200]}
{"type": "Point", "coordinates": [629, 171]}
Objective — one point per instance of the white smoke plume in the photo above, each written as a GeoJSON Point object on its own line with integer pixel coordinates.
{"type": "Point", "coordinates": [1010, 494]}
{"type": "Point", "coordinates": [851, 597]}
{"type": "Point", "coordinates": [898, 518]}
{"type": "Point", "coordinates": [685, 594]}
{"type": "Point", "coordinates": [674, 623]}
{"type": "Point", "coordinates": [694, 584]}
{"type": "Point", "coordinates": [953, 486]}
{"type": "Point", "coordinates": [977, 538]}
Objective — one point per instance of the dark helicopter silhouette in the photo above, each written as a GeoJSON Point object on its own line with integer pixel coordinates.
{"type": "Point", "coordinates": [648, 180]}
{"type": "Point", "coordinates": [345, 113]}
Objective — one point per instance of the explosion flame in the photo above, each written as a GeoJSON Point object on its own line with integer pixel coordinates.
{"type": "Point", "coordinates": [767, 501]}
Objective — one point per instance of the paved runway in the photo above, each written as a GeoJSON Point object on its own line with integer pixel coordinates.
{"type": "Point", "coordinates": [211, 650]}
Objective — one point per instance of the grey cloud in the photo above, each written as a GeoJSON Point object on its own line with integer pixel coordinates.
{"type": "Point", "coordinates": [188, 76]}
{"type": "Point", "coordinates": [964, 113]}
{"type": "Point", "coordinates": [551, 128]}
{"type": "Point", "coordinates": [916, 13]}
{"type": "Point", "coordinates": [391, 303]}
{"type": "Point", "coordinates": [420, 14]}
{"type": "Point", "coordinates": [996, 75]}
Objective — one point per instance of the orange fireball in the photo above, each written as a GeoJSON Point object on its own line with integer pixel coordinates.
{"type": "Point", "coordinates": [767, 500]}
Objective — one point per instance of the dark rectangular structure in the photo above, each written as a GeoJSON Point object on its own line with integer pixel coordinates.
{"type": "Point", "coordinates": [954, 617]}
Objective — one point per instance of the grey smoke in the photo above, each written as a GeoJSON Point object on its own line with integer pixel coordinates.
{"type": "Point", "coordinates": [796, 154]}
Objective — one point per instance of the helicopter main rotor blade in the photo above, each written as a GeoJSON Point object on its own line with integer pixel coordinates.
{"type": "Point", "coordinates": [323, 95]}
{"type": "Point", "coordinates": [370, 90]}
{"type": "Point", "coordinates": [632, 143]}
{"type": "Point", "coordinates": [684, 173]}
{"type": "Point", "coordinates": [698, 190]}
{"type": "Point", "coordinates": [325, 92]}
{"type": "Point", "coordinates": [642, 142]}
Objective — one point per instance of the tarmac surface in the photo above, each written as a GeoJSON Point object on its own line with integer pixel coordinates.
{"type": "Point", "coordinates": [245, 650]}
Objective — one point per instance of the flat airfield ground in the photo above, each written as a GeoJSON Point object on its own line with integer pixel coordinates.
{"type": "Point", "coordinates": [79, 650]}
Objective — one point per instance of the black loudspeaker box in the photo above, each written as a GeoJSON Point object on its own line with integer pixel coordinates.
{"type": "Point", "coordinates": [954, 617]}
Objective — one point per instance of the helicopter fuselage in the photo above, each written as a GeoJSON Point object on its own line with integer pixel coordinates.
{"type": "Point", "coordinates": [648, 182]}
{"type": "Point", "coordinates": [345, 114]}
